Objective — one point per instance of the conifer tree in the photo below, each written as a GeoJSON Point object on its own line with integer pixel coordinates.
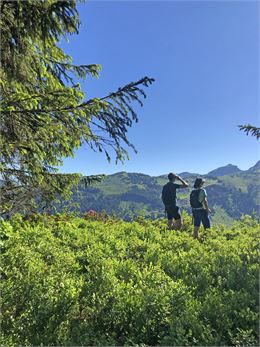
{"type": "Point", "coordinates": [44, 113]}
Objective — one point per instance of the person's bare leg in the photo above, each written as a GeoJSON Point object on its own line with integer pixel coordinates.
{"type": "Point", "coordinates": [177, 224]}
{"type": "Point", "coordinates": [196, 232]}
{"type": "Point", "coordinates": [170, 223]}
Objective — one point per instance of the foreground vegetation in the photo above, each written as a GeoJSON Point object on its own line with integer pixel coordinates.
{"type": "Point", "coordinates": [73, 281]}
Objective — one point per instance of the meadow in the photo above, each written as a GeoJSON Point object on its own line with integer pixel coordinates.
{"type": "Point", "coordinates": [97, 280]}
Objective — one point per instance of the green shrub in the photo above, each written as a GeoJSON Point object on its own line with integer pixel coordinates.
{"type": "Point", "coordinates": [69, 281]}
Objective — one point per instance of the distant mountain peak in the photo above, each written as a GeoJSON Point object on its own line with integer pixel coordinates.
{"type": "Point", "coordinates": [229, 169]}
{"type": "Point", "coordinates": [256, 167]}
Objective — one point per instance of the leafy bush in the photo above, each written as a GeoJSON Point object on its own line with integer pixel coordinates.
{"type": "Point", "coordinates": [74, 282]}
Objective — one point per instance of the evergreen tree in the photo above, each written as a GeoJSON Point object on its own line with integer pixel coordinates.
{"type": "Point", "coordinates": [44, 113]}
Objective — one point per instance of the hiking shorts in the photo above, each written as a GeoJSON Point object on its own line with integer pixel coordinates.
{"type": "Point", "coordinates": [201, 216]}
{"type": "Point", "coordinates": [172, 212]}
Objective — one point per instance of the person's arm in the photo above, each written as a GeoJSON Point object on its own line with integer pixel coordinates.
{"type": "Point", "coordinates": [203, 199]}
{"type": "Point", "coordinates": [184, 183]}
{"type": "Point", "coordinates": [205, 204]}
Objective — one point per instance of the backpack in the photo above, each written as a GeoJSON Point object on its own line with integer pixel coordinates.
{"type": "Point", "coordinates": [168, 195]}
{"type": "Point", "coordinates": [194, 199]}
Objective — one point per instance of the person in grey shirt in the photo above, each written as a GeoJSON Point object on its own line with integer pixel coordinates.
{"type": "Point", "coordinates": [200, 208]}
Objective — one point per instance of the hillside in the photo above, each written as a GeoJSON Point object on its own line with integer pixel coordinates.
{"type": "Point", "coordinates": [98, 281]}
{"type": "Point", "coordinates": [255, 168]}
{"type": "Point", "coordinates": [131, 194]}
{"type": "Point", "coordinates": [225, 170]}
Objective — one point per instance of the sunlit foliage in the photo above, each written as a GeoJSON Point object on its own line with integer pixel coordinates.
{"type": "Point", "coordinates": [91, 281]}
{"type": "Point", "coordinates": [44, 113]}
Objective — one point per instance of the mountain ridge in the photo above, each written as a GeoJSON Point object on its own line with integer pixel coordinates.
{"type": "Point", "coordinates": [228, 169]}
{"type": "Point", "coordinates": [129, 195]}
{"type": "Point", "coordinates": [255, 167]}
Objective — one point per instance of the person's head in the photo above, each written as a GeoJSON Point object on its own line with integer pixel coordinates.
{"type": "Point", "coordinates": [198, 182]}
{"type": "Point", "coordinates": [171, 176]}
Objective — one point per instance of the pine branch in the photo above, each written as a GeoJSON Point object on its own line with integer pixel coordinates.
{"type": "Point", "coordinates": [130, 89]}
{"type": "Point", "coordinates": [250, 129]}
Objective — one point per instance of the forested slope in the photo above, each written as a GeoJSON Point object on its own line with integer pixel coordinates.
{"type": "Point", "coordinates": [130, 194]}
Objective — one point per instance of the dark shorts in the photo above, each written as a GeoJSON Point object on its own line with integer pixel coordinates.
{"type": "Point", "coordinates": [172, 212]}
{"type": "Point", "coordinates": [201, 216]}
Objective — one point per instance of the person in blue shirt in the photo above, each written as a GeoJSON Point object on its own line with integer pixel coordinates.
{"type": "Point", "coordinates": [200, 208]}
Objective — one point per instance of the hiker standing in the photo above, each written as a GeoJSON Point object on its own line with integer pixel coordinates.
{"type": "Point", "coordinates": [169, 200]}
{"type": "Point", "coordinates": [200, 208]}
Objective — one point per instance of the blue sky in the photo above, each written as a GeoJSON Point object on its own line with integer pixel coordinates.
{"type": "Point", "coordinates": [204, 56]}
